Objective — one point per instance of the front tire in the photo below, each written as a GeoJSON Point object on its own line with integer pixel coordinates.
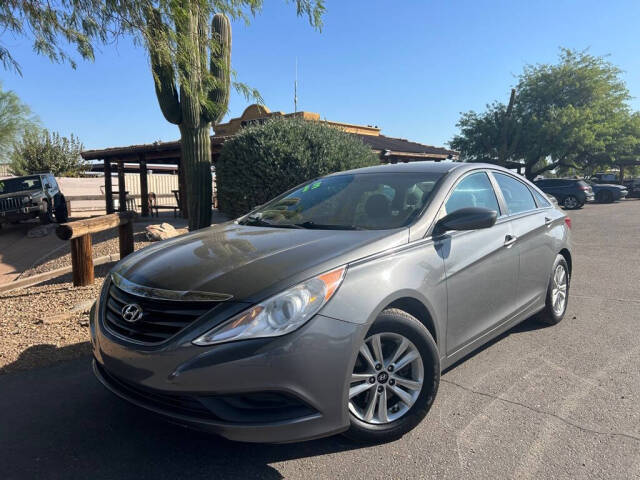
{"type": "Point", "coordinates": [557, 293]}
{"type": "Point", "coordinates": [395, 378]}
{"type": "Point", "coordinates": [47, 216]}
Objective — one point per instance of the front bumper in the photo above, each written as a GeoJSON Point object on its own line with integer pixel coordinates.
{"type": "Point", "coordinates": [21, 213]}
{"type": "Point", "coordinates": [191, 385]}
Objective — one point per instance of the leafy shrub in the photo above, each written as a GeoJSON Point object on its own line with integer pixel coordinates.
{"type": "Point", "coordinates": [43, 151]}
{"type": "Point", "coordinates": [263, 161]}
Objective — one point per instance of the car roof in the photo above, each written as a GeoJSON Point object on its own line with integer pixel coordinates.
{"type": "Point", "coordinates": [418, 167]}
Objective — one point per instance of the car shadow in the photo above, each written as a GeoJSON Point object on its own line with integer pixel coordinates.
{"type": "Point", "coordinates": [529, 325]}
{"type": "Point", "coordinates": [59, 422]}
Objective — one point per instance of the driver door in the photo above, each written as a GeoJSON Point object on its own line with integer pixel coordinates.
{"type": "Point", "coordinates": [480, 265]}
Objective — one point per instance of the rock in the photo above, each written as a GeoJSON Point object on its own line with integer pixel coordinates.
{"type": "Point", "coordinates": [160, 232]}
{"type": "Point", "coordinates": [83, 307]}
{"type": "Point", "coordinates": [53, 319]}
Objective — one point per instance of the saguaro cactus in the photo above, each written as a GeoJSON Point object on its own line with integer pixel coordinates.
{"type": "Point", "coordinates": [201, 97]}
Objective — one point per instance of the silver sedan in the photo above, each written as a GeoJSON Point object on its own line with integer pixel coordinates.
{"type": "Point", "coordinates": [334, 307]}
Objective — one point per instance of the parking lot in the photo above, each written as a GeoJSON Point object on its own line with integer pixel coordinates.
{"type": "Point", "coordinates": [539, 402]}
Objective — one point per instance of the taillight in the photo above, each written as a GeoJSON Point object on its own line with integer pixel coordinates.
{"type": "Point", "coordinates": [567, 221]}
{"type": "Point", "coordinates": [584, 188]}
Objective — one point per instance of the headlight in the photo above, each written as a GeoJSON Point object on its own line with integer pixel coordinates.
{"type": "Point", "coordinates": [280, 314]}
{"type": "Point", "coordinates": [26, 199]}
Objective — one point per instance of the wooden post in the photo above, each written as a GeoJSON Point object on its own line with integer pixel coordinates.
{"type": "Point", "coordinates": [182, 186]}
{"type": "Point", "coordinates": [125, 236]}
{"type": "Point", "coordinates": [108, 187]}
{"type": "Point", "coordinates": [144, 187]}
{"type": "Point", "coordinates": [82, 260]}
{"type": "Point", "coordinates": [122, 195]}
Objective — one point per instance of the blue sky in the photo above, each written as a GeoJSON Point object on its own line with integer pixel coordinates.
{"type": "Point", "coordinates": [408, 66]}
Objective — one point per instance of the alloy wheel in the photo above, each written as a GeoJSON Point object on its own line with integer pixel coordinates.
{"type": "Point", "coordinates": [387, 378]}
{"type": "Point", "coordinates": [570, 202]}
{"type": "Point", "coordinates": [559, 290]}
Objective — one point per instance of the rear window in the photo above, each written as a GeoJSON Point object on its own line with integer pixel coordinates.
{"type": "Point", "coordinates": [516, 194]}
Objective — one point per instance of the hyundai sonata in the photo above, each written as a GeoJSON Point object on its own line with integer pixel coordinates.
{"type": "Point", "coordinates": [334, 307]}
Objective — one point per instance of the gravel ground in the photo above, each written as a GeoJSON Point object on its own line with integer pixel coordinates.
{"type": "Point", "coordinates": [46, 323]}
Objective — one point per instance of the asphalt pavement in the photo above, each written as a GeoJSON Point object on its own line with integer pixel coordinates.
{"type": "Point", "coordinates": [539, 402]}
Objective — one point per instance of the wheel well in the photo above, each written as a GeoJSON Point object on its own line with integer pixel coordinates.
{"type": "Point", "coordinates": [417, 309]}
{"type": "Point", "coordinates": [567, 256]}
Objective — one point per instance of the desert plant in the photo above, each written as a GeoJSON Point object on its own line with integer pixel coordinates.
{"type": "Point", "coordinates": [265, 160]}
{"type": "Point", "coordinates": [44, 151]}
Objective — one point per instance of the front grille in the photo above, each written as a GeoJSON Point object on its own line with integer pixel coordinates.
{"type": "Point", "coordinates": [161, 319]}
{"type": "Point", "coordinates": [11, 203]}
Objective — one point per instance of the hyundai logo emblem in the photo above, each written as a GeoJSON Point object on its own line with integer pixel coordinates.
{"type": "Point", "coordinates": [132, 312]}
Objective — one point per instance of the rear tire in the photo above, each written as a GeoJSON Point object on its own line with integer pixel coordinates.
{"type": "Point", "coordinates": [62, 214]}
{"type": "Point", "coordinates": [557, 293]}
{"type": "Point", "coordinates": [570, 202]}
{"type": "Point", "coordinates": [419, 379]}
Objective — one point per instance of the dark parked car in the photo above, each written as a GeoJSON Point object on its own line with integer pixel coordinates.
{"type": "Point", "coordinates": [632, 185]}
{"type": "Point", "coordinates": [334, 307]}
{"type": "Point", "coordinates": [607, 193]}
{"type": "Point", "coordinates": [570, 193]}
{"type": "Point", "coordinates": [31, 196]}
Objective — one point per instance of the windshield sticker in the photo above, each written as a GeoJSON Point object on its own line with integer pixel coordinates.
{"type": "Point", "coordinates": [315, 185]}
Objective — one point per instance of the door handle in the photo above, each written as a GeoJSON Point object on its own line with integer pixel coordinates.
{"type": "Point", "coordinates": [509, 240]}
{"type": "Point", "coordinates": [547, 221]}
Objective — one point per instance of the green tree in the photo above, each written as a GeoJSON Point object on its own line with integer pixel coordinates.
{"type": "Point", "coordinates": [43, 151]}
{"type": "Point", "coordinates": [52, 26]}
{"type": "Point", "coordinates": [15, 118]}
{"type": "Point", "coordinates": [265, 160]}
{"type": "Point", "coordinates": [569, 115]}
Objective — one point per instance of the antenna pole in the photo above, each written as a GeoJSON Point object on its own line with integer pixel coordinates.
{"type": "Point", "coordinates": [295, 90]}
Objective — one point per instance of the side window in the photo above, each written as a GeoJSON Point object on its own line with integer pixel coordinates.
{"type": "Point", "coordinates": [473, 191]}
{"type": "Point", "coordinates": [540, 199]}
{"type": "Point", "coordinates": [516, 194]}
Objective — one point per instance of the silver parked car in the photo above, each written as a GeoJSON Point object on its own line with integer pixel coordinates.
{"type": "Point", "coordinates": [334, 307]}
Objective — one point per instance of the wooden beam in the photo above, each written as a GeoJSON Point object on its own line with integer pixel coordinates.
{"type": "Point", "coordinates": [79, 228]}
{"type": "Point", "coordinates": [144, 187]}
{"type": "Point", "coordinates": [122, 194]}
{"type": "Point", "coordinates": [108, 186]}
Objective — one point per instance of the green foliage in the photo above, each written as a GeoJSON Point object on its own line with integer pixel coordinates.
{"type": "Point", "coordinates": [573, 114]}
{"type": "Point", "coordinates": [265, 160]}
{"type": "Point", "coordinates": [42, 151]}
{"type": "Point", "coordinates": [51, 25]}
{"type": "Point", "coordinates": [15, 119]}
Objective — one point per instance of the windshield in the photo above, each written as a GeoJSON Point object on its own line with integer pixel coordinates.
{"type": "Point", "coordinates": [350, 202]}
{"type": "Point", "coordinates": [12, 185]}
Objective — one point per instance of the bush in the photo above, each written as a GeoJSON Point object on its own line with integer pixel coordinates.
{"type": "Point", "coordinates": [263, 161]}
{"type": "Point", "coordinates": [42, 151]}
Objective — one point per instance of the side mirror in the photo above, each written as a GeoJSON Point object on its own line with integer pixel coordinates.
{"type": "Point", "coordinates": [470, 218]}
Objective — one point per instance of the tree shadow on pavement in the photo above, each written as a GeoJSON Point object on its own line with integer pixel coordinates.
{"type": "Point", "coordinates": [59, 422]}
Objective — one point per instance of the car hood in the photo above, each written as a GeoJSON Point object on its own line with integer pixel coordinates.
{"type": "Point", "coordinates": [248, 263]}
{"type": "Point", "coordinates": [21, 193]}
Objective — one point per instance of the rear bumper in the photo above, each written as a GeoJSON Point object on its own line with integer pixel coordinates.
{"type": "Point", "coordinates": [201, 387]}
